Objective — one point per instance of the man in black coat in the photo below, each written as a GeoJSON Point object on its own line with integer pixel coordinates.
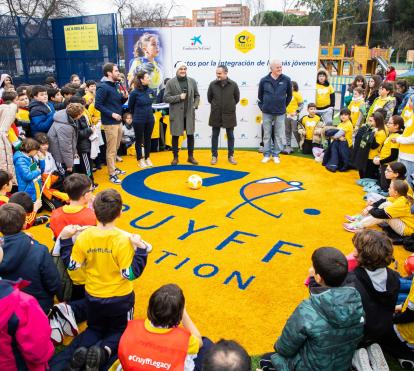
{"type": "Point", "coordinates": [223, 95]}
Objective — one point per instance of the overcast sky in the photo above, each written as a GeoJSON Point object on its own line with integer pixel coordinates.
{"type": "Point", "coordinates": [183, 7]}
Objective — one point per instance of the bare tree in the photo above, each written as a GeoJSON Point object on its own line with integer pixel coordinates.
{"type": "Point", "coordinates": [36, 13]}
{"type": "Point", "coordinates": [134, 14]}
{"type": "Point", "coordinates": [257, 8]}
{"type": "Point", "coordinates": [401, 41]}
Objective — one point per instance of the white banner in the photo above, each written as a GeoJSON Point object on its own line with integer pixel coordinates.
{"type": "Point", "coordinates": [246, 51]}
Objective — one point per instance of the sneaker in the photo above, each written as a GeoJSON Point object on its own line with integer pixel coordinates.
{"type": "Point", "coordinates": [149, 162]}
{"type": "Point", "coordinates": [360, 360]}
{"type": "Point", "coordinates": [95, 358]}
{"type": "Point", "coordinates": [119, 159]}
{"type": "Point", "coordinates": [114, 179]}
{"type": "Point", "coordinates": [57, 331]}
{"type": "Point", "coordinates": [276, 160]}
{"type": "Point", "coordinates": [142, 164]}
{"type": "Point", "coordinates": [406, 364]}
{"type": "Point", "coordinates": [213, 160]}
{"type": "Point", "coordinates": [64, 314]}
{"type": "Point", "coordinates": [353, 218]}
{"type": "Point", "coordinates": [41, 220]}
{"type": "Point", "coordinates": [376, 358]}
{"type": "Point", "coordinates": [352, 227]}
{"type": "Point", "coordinates": [78, 360]}
{"type": "Point", "coordinates": [119, 171]}
{"type": "Point", "coordinates": [232, 160]}
{"type": "Point", "coordinates": [265, 159]}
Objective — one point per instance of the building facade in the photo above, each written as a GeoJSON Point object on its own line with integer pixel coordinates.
{"type": "Point", "coordinates": [228, 15]}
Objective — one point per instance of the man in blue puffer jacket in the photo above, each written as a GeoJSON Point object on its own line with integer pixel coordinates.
{"type": "Point", "coordinates": [40, 111]}
{"type": "Point", "coordinates": [275, 93]}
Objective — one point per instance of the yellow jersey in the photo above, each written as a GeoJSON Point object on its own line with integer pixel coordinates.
{"type": "Point", "coordinates": [105, 255]}
{"type": "Point", "coordinates": [388, 145]}
{"type": "Point", "coordinates": [407, 115]}
{"type": "Point", "coordinates": [408, 132]}
{"type": "Point", "coordinates": [378, 103]}
{"type": "Point", "coordinates": [309, 123]}
{"type": "Point", "coordinates": [357, 108]}
{"type": "Point", "coordinates": [406, 330]}
{"type": "Point", "coordinates": [323, 95]}
{"type": "Point", "coordinates": [348, 128]}
{"type": "Point", "coordinates": [400, 208]}
{"type": "Point", "coordinates": [380, 137]}
{"type": "Point", "coordinates": [294, 104]}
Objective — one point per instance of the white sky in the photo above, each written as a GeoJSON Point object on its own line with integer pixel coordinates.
{"type": "Point", "coordinates": [183, 7]}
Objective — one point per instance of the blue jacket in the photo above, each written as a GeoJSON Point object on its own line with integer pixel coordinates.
{"type": "Point", "coordinates": [27, 178]}
{"type": "Point", "coordinates": [140, 105]}
{"type": "Point", "coordinates": [26, 258]}
{"type": "Point", "coordinates": [41, 116]}
{"type": "Point", "coordinates": [109, 100]}
{"type": "Point", "coordinates": [405, 99]}
{"type": "Point", "coordinates": [274, 95]}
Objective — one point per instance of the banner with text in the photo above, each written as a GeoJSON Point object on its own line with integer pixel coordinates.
{"type": "Point", "coordinates": [246, 51]}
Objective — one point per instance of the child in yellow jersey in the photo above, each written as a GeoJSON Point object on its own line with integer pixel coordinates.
{"type": "Point", "coordinates": [400, 343]}
{"type": "Point", "coordinates": [310, 130]}
{"type": "Point", "coordinates": [291, 120]}
{"type": "Point", "coordinates": [325, 97]}
{"type": "Point", "coordinates": [395, 211]}
{"type": "Point", "coordinates": [385, 101]}
{"type": "Point", "coordinates": [376, 122]}
{"type": "Point", "coordinates": [389, 150]}
{"type": "Point", "coordinates": [407, 113]}
{"type": "Point", "coordinates": [22, 116]}
{"type": "Point", "coordinates": [357, 107]}
{"type": "Point", "coordinates": [6, 185]}
{"type": "Point", "coordinates": [111, 261]}
{"type": "Point", "coordinates": [338, 153]}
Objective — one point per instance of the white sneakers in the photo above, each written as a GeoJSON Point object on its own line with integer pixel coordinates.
{"type": "Point", "coordinates": [62, 322]}
{"type": "Point", "coordinates": [143, 164]}
{"type": "Point", "coordinates": [370, 359]}
{"type": "Point", "coordinates": [266, 159]}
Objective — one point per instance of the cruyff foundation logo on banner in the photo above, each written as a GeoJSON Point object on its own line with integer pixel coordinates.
{"type": "Point", "coordinates": [245, 41]}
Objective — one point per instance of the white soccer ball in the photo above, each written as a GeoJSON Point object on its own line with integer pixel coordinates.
{"type": "Point", "coordinates": [195, 181]}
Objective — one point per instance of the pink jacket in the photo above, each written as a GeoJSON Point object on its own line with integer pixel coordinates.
{"type": "Point", "coordinates": [22, 319]}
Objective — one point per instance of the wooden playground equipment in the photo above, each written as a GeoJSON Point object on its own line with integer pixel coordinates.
{"type": "Point", "coordinates": [360, 60]}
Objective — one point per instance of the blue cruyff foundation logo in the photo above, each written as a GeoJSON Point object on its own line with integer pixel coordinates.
{"type": "Point", "coordinates": [135, 185]}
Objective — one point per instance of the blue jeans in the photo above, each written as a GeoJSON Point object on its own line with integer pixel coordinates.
{"type": "Point", "coordinates": [279, 133]}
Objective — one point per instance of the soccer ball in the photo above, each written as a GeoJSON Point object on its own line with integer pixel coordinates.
{"type": "Point", "coordinates": [195, 181]}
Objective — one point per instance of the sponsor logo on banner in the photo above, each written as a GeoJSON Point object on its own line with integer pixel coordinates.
{"type": "Point", "coordinates": [196, 43]}
{"type": "Point", "coordinates": [244, 102]}
{"type": "Point", "coordinates": [245, 41]}
{"type": "Point", "coordinates": [292, 45]}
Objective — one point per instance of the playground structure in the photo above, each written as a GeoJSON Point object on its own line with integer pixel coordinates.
{"type": "Point", "coordinates": [360, 60]}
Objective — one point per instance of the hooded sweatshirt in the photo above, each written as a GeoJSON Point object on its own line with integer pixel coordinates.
{"type": "Point", "coordinates": [27, 259]}
{"type": "Point", "coordinates": [323, 332]}
{"type": "Point", "coordinates": [63, 137]}
{"type": "Point", "coordinates": [379, 292]}
{"type": "Point", "coordinates": [24, 330]}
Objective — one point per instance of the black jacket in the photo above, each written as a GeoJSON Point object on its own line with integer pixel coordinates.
{"type": "Point", "coordinates": [364, 139]}
{"type": "Point", "coordinates": [26, 258]}
{"type": "Point", "coordinates": [84, 132]}
{"type": "Point", "coordinates": [223, 97]}
{"type": "Point", "coordinates": [378, 306]}
{"type": "Point", "coordinates": [274, 95]}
